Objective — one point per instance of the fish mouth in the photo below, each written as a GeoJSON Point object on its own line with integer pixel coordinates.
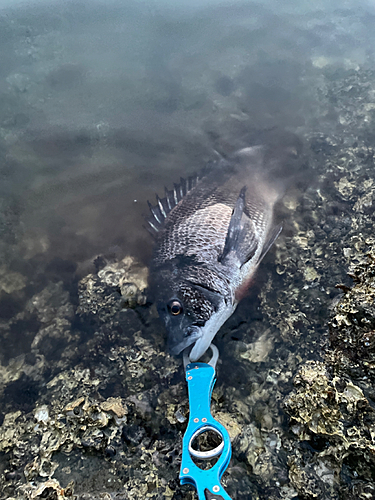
{"type": "Point", "coordinates": [196, 337]}
{"type": "Point", "coordinates": [202, 336]}
{"type": "Point", "coordinates": [200, 347]}
{"type": "Point", "coordinates": [209, 330]}
{"type": "Point", "coordinates": [193, 335]}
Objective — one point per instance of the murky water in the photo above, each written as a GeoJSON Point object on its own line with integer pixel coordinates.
{"type": "Point", "coordinates": [101, 106]}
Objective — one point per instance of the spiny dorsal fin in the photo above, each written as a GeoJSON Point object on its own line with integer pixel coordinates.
{"type": "Point", "coordinates": [164, 205]}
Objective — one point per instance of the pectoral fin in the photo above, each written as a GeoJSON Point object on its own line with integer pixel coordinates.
{"type": "Point", "coordinates": [235, 227]}
{"type": "Point", "coordinates": [240, 240]}
{"type": "Point", "coordinates": [272, 237]}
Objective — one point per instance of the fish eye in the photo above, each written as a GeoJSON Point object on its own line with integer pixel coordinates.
{"type": "Point", "coordinates": [175, 307]}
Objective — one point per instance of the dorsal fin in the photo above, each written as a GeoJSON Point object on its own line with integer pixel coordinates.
{"type": "Point", "coordinates": [164, 205]}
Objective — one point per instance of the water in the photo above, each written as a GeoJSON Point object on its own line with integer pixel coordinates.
{"type": "Point", "coordinates": [101, 105]}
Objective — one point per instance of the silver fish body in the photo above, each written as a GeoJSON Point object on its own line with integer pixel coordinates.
{"type": "Point", "coordinates": [211, 235]}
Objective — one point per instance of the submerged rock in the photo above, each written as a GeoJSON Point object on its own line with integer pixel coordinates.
{"type": "Point", "coordinates": [117, 286]}
{"type": "Point", "coordinates": [332, 407]}
{"type": "Point", "coordinates": [352, 326]}
{"type": "Point", "coordinates": [333, 412]}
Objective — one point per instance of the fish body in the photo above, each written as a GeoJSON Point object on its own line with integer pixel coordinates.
{"type": "Point", "coordinates": [211, 234]}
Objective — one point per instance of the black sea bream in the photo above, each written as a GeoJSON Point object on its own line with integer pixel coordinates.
{"type": "Point", "coordinates": [211, 234]}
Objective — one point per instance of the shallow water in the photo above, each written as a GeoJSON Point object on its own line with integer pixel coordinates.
{"type": "Point", "coordinates": [101, 106]}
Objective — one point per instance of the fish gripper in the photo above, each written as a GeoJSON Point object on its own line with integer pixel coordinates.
{"type": "Point", "coordinates": [201, 379]}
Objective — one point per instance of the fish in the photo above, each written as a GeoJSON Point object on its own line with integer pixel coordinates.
{"type": "Point", "coordinates": [211, 233]}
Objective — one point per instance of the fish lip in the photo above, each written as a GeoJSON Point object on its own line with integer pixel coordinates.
{"type": "Point", "coordinates": [198, 349]}
{"type": "Point", "coordinates": [177, 349]}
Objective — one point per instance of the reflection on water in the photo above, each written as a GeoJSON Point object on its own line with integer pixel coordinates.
{"type": "Point", "coordinates": [101, 106]}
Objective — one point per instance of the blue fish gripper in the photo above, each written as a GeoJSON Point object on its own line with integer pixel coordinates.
{"type": "Point", "coordinates": [201, 379]}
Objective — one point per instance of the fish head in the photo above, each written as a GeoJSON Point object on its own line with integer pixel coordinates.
{"type": "Point", "coordinates": [192, 314]}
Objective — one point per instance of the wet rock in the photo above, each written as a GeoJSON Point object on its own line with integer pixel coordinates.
{"type": "Point", "coordinates": [352, 326]}
{"type": "Point", "coordinates": [116, 286]}
{"type": "Point", "coordinates": [103, 407]}
{"type": "Point", "coordinates": [133, 435]}
{"type": "Point", "coordinates": [335, 411]}
{"type": "Point", "coordinates": [50, 490]}
{"type": "Point", "coordinates": [11, 282]}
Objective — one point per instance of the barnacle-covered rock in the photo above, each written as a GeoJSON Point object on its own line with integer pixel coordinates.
{"type": "Point", "coordinates": [352, 326]}
{"type": "Point", "coordinates": [50, 489]}
{"type": "Point", "coordinates": [52, 312]}
{"type": "Point", "coordinates": [11, 281]}
{"type": "Point", "coordinates": [92, 407]}
{"type": "Point", "coordinates": [82, 424]}
{"type": "Point", "coordinates": [116, 286]}
{"type": "Point", "coordinates": [337, 419]}
{"type": "Point", "coordinates": [314, 405]}
{"type": "Point", "coordinates": [9, 432]}
{"type": "Point", "coordinates": [311, 481]}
